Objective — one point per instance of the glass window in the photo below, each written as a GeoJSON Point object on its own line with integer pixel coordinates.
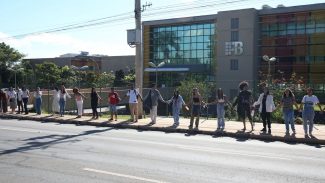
{"type": "Point", "coordinates": [187, 46]}
{"type": "Point", "coordinates": [310, 24]}
{"type": "Point", "coordinates": [193, 39]}
{"type": "Point", "coordinates": [199, 54]}
{"type": "Point", "coordinates": [234, 23]}
{"type": "Point", "coordinates": [199, 38]}
{"type": "Point", "coordinates": [318, 30]}
{"type": "Point", "coordinates": [207, 26]}
{"type": "Point", "coordinates": [234, 36]}
{"type": "Point", "coordinates": [234, 64]}
{"type": "Point", "coordinates": [193, 54]}
{"type": "Point", "coordinates": [273, 27]}
{"type": "Point", "coordinates": [187, 39]}
{"type": "Point", "coordinates": [193, 32]}
{"type": "Point", "coordinates": [282, 26]}
{"type": "Point", "coordinates": [301, 25]}
{"type": "Point", "coordinates": [207, 31]}
{"type": "Point", "coordinates": [193, 46]}
{"type": "Point", "coordinates": [200, 45]}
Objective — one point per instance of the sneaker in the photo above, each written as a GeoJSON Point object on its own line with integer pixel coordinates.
{"type": "Point", "coordinates": [269, 130]}
{"type": "Point", "coordinates": [263, 130]}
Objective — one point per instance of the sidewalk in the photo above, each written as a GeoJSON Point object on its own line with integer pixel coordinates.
{"type": "Point", "coordinates": [208, 127]}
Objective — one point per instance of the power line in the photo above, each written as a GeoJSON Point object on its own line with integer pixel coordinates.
{"type": "Point", "coordinates": [128, 16]}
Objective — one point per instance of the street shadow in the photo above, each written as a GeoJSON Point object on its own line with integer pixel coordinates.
{"type": "Point", "coordinates": [44, 142]}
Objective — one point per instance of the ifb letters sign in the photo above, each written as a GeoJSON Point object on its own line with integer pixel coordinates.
{"type": "Point", "coordinates": [234, 48]}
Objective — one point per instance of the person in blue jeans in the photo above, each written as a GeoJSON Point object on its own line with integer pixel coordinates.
{"type": "Point", "coordinates": [221, 101]}
{"type": "Point", "coordinates": [308, 102]}
{"type": "Point", "coordinates": [177, 104]}
{"type": "Point", "coordinates": [38, 100]}
{"type": "Point", "coordinates": [287, 102]}
{"type": "Point", "coordinates": [63, 94]}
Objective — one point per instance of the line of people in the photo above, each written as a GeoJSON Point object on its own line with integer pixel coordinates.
{"type": "Point", "coordinates": [244, 102]}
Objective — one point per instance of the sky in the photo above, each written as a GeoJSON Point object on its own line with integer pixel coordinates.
{"type": "Point", "coordinates": [19, 18]}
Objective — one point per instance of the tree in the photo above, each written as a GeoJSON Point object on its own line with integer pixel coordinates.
{"type": "Point", "coordinates": [105, 80]}
{"type": "Point", "coordinates": [8, 57]}
{"type": "Point", "coordinates": [47, 74]}
{"type": "Point", "coordinates": [67, 76]}
{"type": "Point", "coordinates": [119, 78]}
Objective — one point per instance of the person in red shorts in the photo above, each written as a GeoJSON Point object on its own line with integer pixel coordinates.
{"type": "Point", "coordinates": [113, 100]}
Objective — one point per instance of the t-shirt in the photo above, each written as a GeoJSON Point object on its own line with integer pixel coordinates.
{"type": "Point", "coordinates": [11, 94]}
{"type": "Point", "coordinates": [25, 94]}
{"type": "Point", "coordinates": [287, 102]}
{"type": "Point", "coordinates": [113, 98]}
{"type": "Point", "coordinates": [133, 96]}
{"type": "Point", "coordinates": [19, 95]}
{"type": "Point", "coordinates": [310, 101]}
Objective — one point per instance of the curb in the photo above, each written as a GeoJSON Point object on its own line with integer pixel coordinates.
{"type": "Point", "coordinates": [238, 135]}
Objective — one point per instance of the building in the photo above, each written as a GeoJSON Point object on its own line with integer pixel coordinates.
{"type": "Point", "coordinates": [228, 47]}
{"type": "Point", "coordinates": [95, 63]}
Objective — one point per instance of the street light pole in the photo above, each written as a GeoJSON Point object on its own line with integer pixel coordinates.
{"type": "Point", "coordinates": [156, 67]}
{"type": "Point", "coordinates": [269, 60]}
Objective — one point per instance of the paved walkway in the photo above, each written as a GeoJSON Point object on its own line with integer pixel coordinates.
{"type": "Point", "coordinates": [208, 127]}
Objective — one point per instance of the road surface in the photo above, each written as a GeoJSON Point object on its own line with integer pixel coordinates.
{"type": "Point", "coordinates": [51, 152]}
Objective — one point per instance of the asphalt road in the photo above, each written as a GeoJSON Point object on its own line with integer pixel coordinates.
{"type": "Point", "coordinates": [50, 152]}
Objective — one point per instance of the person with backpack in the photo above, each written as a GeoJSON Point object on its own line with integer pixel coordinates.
{"type": "Point", "coordinates": [94, 99]}
{"type": "Point", "coordinates": [113, 100]}
{"type": "Point", "coordinates": [267, 106]}
{"type": "Point", "coordinates": [133, 95]}
{"type": "Point", "coordinates": [177, 103]}
{"type": "Point", "coordinates": [153, 96]}
{"type": "Point", "coordinates": [244, 104]}
{"type": "Point", "coordinates": [307, 104]}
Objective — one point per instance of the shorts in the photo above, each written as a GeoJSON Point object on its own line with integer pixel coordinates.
{"type": "Point", "coordinates": [244, 112]}
{"type": "Point", "coordinates": [112, 108]}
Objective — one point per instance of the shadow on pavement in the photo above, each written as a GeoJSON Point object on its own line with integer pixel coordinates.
{"type": "Point", "coordinates": [43, 142]}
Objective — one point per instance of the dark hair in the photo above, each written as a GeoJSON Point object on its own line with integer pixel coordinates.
{"type": "Point", "coordinates": [243, 84]}
{"type": "Point", "coordinates": [23, 88]}
{"type": "Point", "coordinates": [220, 93]}
{"type": "Point", "coordinates": [93, 90]}
{"type": "Point", "coordinates": [176, 94]}
{"type": "Point", "coordinates": [75, 90]}
{"type": "Point", "coordinates": [268, 90]}
{"type": "Point", "coordinates": [310, 88]}
{"type": "Point", "coordinates": [153, 85]}
{"type": "Point", "coordinates": [56, 88]}
{"type": "Point", "coordinates": [112, 88]}
{"type": "Point", "coordinates": [290, 93]}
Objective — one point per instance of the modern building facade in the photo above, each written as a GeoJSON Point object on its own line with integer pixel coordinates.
{"type": "Point", "coordinates": [228, 47]}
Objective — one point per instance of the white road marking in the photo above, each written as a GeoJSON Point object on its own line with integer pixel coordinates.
{"type": "Point", "coordinates": [123, 175]}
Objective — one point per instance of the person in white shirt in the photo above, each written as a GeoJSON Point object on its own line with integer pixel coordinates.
{"type": "Point", "coordinates": [25, 97]}
{"type": "Point", "coordinates": [133, 95]}
{"type": "Point", "coordinates": [308, 102]}
{"type": "Point", "coordinates": [20, 100]}
{"type": "Point", "coordinates": [55, 101]}
{"type": "Point", "coordinates": [267, 106]}
{"type": "Point", "coordinates": [12, 96]}
{"type": "Point", "coordinates": [38, 100]}
{"type": "Point", "coordinates": [63, 94]}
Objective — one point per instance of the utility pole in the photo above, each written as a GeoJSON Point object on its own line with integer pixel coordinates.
{"type": "Point", "coordinates": [138, 55]}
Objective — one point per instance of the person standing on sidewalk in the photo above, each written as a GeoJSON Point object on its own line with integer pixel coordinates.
{"type": "Point", "coordinates": [267, 106]}
{"type": "Point", "coordinates": [79, 100]}
{"type": "Point", "coordinates": [38, 100]}
{"type": "Point", "coordinates": [221, 101]}
{"type": "Point", "coordinates": [63, 94]}
{"type": "Point", "coordinates": [153, 96]}
{"type": "Point", "coordinates": [196, 101]}
{"type": "Point", "coordinates": [25, 97]}
{"type": "Point", "coordinates": [308, 102]}
{"type": "Point", "coordinates": [177, 103]}
{"type": "Point", "coordinates": [3, 101]}
{"type": "Point", "coordinates": [12, 95]}
{"type": "Point", "coordinates": [244, 102]}
{"type": "Point", "coordinates": [56, 101]}
{"type": "Point", "coordinates": [133, 95]}
{"type": "Point", "coordinates": [20, 101]}
{"type": "Point", "coordinates": [94, 99]}
{"type": "Point", "coordinates": [287, 102]}
{"type": "Point", "coordinates": [113, 100]}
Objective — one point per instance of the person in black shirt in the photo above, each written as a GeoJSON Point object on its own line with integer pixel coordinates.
{"type": "Point", "coordinates": [244, 103]}
{"type": "Point", "coordinates": [94, 102]}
